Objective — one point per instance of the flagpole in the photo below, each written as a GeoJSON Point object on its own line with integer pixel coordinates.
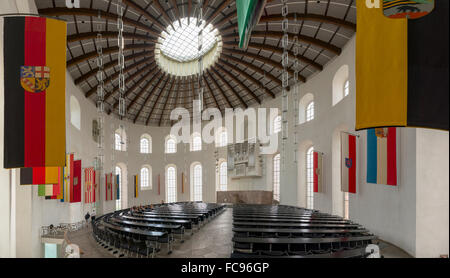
{"type": "Point", "coordinates": [354, 134]}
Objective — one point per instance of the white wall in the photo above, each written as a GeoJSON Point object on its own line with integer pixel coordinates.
{"type": "Point", "coordinates": [432, 193]}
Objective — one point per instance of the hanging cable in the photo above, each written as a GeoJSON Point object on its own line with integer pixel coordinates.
{"type": "Point", "coordinates": [99, 162]}
{"type": "Point", "coordinates": [121, 59]}
{"type": "Point", "coordinates": [285, 82]}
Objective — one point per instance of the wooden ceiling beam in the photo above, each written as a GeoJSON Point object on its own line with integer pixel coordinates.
{"type": "Point", "coordinates": [230, 87]}
{"type": "Point", "coordinates": [110, 35]}
{"type": "Point", "coordinates": [157, 98]}
{"type": "Point", "coordinates": [147, 85]}
{"type": "Point", "coordinates": [292, 17]}
{"type": "Point", "coordinates": [111, 64]}
{"type": "Point", "coordinates": [168, 97]}
{"type": "Point", "coordinates": [136, 85]}
{"type": "Point", "coordinates": [177, 11]}
{"type": "Point", "coordinates": [95, 14]}
{"type": "Point", "coordinates": [148, 96]}
{"type": "Point", "coordinates": [247, 76]}
{"type": "Point", "coordinates": [107, 51]}
{"type": "Point", "coordinates": [219, 88]}
{"type": "Point", "coordinates": [239, 82]}
{"type": "Point", "coordinates": [115, 75]}
{"type": "Point", "coordinates": [278, 35]}
{"type": "Point", "coordinates": [163, 12]}
{"type": "Point", "coordinates": [262, 59]}
{"type": "Point", "coordinates": [144, 13]}
{"type": "Point", "coordinates": [217, 11]}
{"type": "Point", "coordinates": [211, 93]}
{"type": "Point", "coordinates": [129, 78]}
{"type": "Point", "coordinates": [253, 67]}
{"type": "Point", "coordinates": [278, 50]}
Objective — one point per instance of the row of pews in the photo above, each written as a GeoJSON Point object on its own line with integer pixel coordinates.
{"type": "Point", "coordinates": [140, 232]}
{"type": "Point", "coordinates": [261, 231]}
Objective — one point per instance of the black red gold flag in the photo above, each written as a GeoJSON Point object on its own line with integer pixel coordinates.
{"type": "Point", "coordinates": [402, 69]}
{"type": "Point", "coordinates": [34, 50]}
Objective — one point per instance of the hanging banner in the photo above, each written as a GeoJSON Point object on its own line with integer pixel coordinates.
{"type": "Point", "coordinates": [34, 51]}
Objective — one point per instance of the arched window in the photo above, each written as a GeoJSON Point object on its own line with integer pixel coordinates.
{"type": "Point", "coordinates": [171, 144]}
{"type": "Point", "coordinates": [346, 88]}
{"type": "Point", "coordinates": [303, 104]}
{"type": "Point", "coordinates": [118, 142]}
{"type": "Point", "coordinates": [146, 144]}
{"type": "Point", "coordinates": [196, 144]}
{"type": "Point", "coordinates": [171, 184]}
{"type": "Point", "coordinates": [223, 176]}
{"type": "Point", "coordinates": [118, 200]}
{"type": "Point", "coordinates": [277, 124]}
{"type": "Point", "coordinates": [222, 139]}
{"type": "Point", "coordinates": [75, 112]}
{"type": "Point", "coordinates": [145, 178]}
{"type": "Point", "coordinates": [276, 177]}
{"type": "Point", "coordinates": [340, 84]}
{"type": "Point", "coordinates": [310, 178]}
{"type": "Point", "coordinates": [198, 183]}
{"type": "Point", "coordinates": [310, 111]}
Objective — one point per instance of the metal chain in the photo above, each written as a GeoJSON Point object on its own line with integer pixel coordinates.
{"type": "Point", "coordinates": [285, 82]}
{"type": "Point", "coordinates": [99, 161]}
{"type": "Point", "coordinates": [200, 47]}
{"type": "Point", "coordinates": [121, 59]}
{"type": "Point", "coordinates": [296, 65]}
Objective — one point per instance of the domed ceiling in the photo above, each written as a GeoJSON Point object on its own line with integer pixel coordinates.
{"type": "Point", "coordinates": [155, 81]}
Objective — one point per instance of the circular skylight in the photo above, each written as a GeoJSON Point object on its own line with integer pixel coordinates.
{"type": "Point", "coordinates": [181, 43]}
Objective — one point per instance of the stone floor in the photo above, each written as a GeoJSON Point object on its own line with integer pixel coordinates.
{"type": "Point", "coordinates": [213, 240]}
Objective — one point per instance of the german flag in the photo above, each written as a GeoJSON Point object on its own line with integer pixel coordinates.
{"type": "Point", "coordinates": [39, 175]}
{"type": "Point", "coordinates": [402, 69]}
{"type": "Point", "coordinates": [34, 50]}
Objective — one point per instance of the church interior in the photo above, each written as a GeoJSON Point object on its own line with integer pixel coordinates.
{"type": "Point", "coordinates": [224, 129]}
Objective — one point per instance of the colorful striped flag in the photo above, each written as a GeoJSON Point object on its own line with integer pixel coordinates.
{"type": "Point", "coordinates": [75, 195]}
{"type": "Point", "coordinates": [318, 157]}
{"type": "Point", "coordinates": [108, 186]}
{"type": "Point", "coordinates": [382, 156]}
{"type": "Point", "coordinates": [35, 82]}
{"type": "Point", "coordinates": [52, 191]}
{"type": "Point", "coordinates": [68, 178]}
{"type": "Point", "coordinates": [39, 175]}
{"type": "Point", "coordinates": [397, 62]}
{"type": "Point", "coordinates": [89, 185]}
{"type": "Point", "coordinates": [348, 162]}
{"type": "Point", "coordinates": [117, 186]}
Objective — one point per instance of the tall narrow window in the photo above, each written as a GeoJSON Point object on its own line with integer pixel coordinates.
{"type": "Point", "coordinates": [310, 111]}
{"type": "Point", "coordinates": [118, 200]}
{"type": "Point", "coordinates": [346, 205]}
{"type": "Point", "coordinates": [118, 142]}
{"type": "Point", "coordinates": [223, 178]}
{"type": "Point", "coordinates": [346, 88]}
{"type": "Point", "coordinates": [276, 177]}
{"type": "Point", "coordinates": [223, 139]}
{"type": "Point", "coordinates": [145, 178]}
{"type": "Point", "coordinates": [144, 145]}
{"type": "Point", "coordinates": [196, 143]}
{"type": "Point", "coordinates": [171, 184]}
{"type": "Point", "coordinates": [171, 145]}
{"type": "Point", "coordinates": [310, 178]}
{"type": "Point", "coordinates": [198, 183]}
{"type": "Point", "coordinates": [277, 124]}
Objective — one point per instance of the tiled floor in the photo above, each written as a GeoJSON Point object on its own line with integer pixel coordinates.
{"type": "Point", "coordinates": [213, 240]}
